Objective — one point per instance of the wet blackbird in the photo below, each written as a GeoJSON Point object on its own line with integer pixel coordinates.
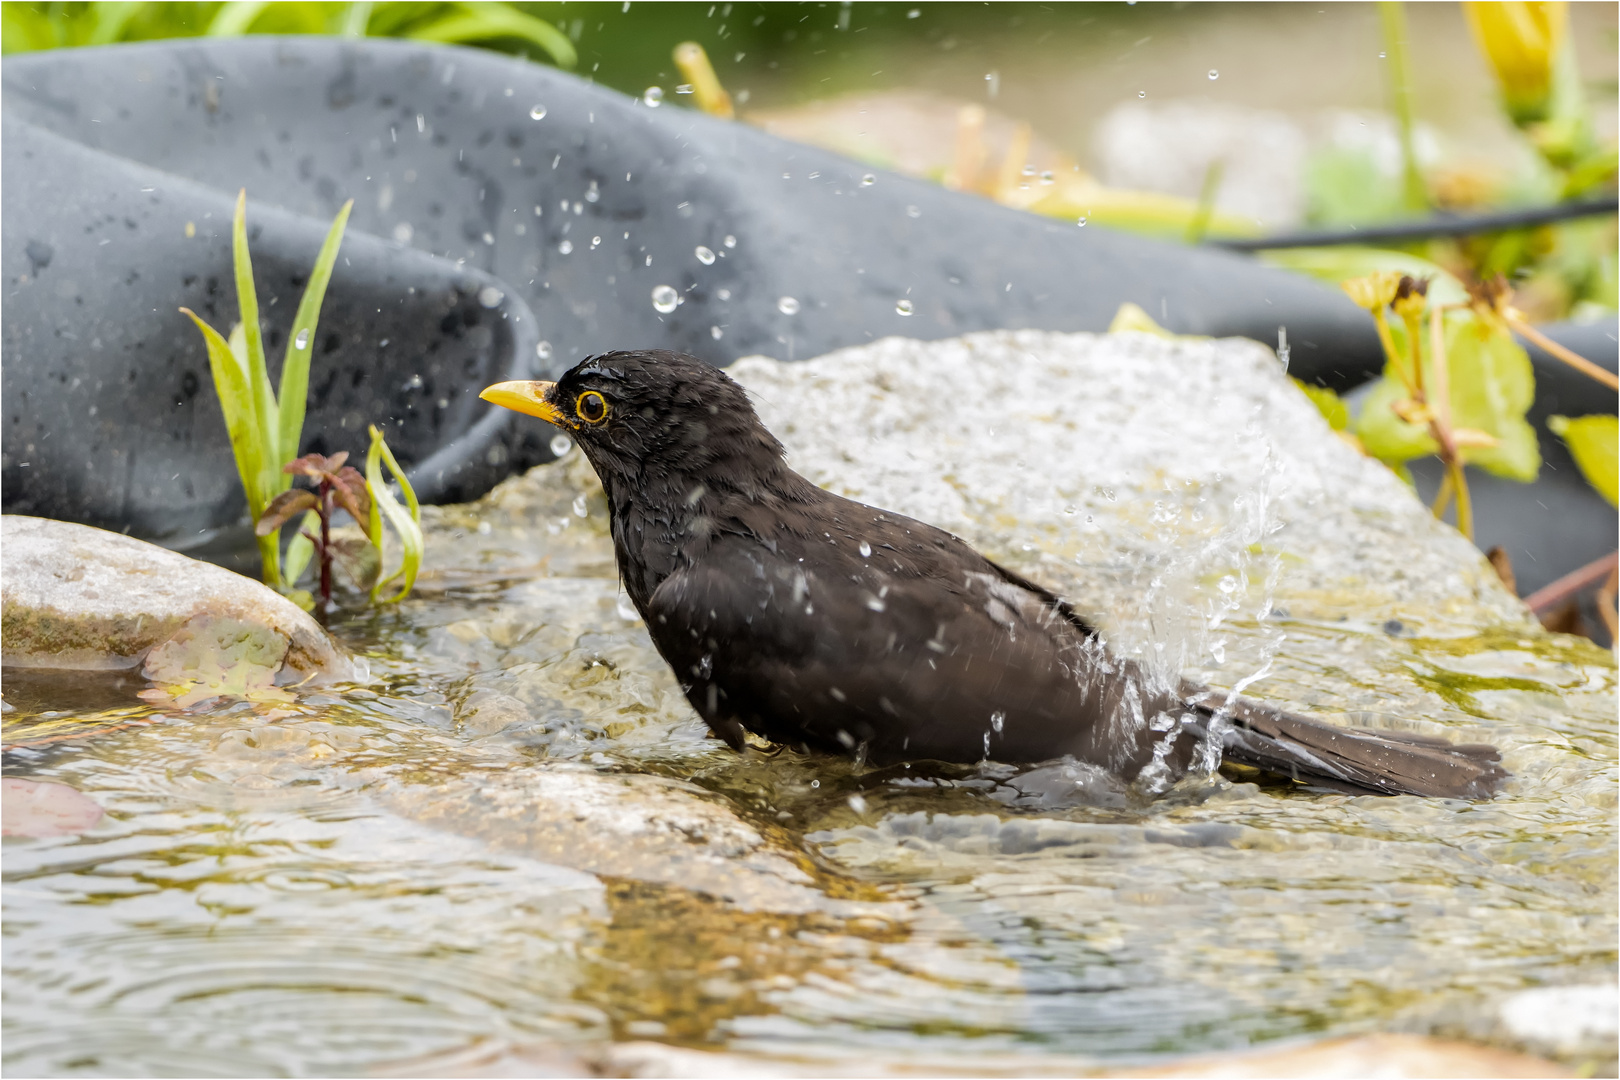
{"type": "Point", "coordinates": [812, 620]}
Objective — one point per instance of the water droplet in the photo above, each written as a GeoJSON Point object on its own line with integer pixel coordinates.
{"type": "Point", "coordinates": [716, 333]}
{"type": "Point", "coordinates": [731, 241]}
{"type": "Point", "coordinates": [537, 113]}
{"type": "Point", "coordinates": [868, 180]}
{"type": "Point", "coordinates": [704, 255]}
{"type": "Point", "coordinates": [665, 298]}
{"type": "Point", "coordinates": [560, 445]}
{"type": "Point", "coordinates": [1381, 56]}
{"type": "Point", "coordinates": [903, 307]}
{"type": "Point", "coordinates": [912, 212]}
{"type": "Point", "coordinates": [724, 294]}
{"type": "Point", "coordinates": [1141, 93]}
{"type": "Point", "coordinates": [302, 340]}
{"type": "Point", "coordinates": [913, 13]}
{"type": "Point", "coordinates": [815, 783]}
{"type": "Point", "coordinates": [1217, 649]}
{"type": "Point", "coordinates": [997, 719]}
{"type": "Point", "coordinates": [403, 232]}
{"type": "Point", "coordinates": [1228, 584]}
{"type": "Point", "coordinates": [683, 88]}
{"type": "Point", "coordinates": [1081, 222]}
{"type": "Point", "coordinates": [579, 507]}
{"type": "Point", "coordinates": [1048, 178]}
{"type": "Point", "coordinates": [865, 550]}
{"type": "Point", "coordinates": [565, 247]}
{"type": "Point", "coordinates": [653, 97]}
{"type": "Point", "coordinates": [542, 349]}
{"type": "Point", "coordinates": [787, 305]}
{"type": "Point", "coordinates": [489, 238]}
{"type": "Point", "coordinates": [593, 193]}
{"type": "Point", "coordinates": [1213, 74]}
{"type": "Point", "coordinates": [489, 296]}
{"type": "Point", "coordinates": [1029, 170]}
{"type": "Point", "coordinates": [596, 241]}
{"type": "Point", "coordinates": [857, 804]}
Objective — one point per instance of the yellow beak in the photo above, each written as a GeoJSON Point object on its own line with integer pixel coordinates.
{"type": "Point", "coordinates": [530, 398]}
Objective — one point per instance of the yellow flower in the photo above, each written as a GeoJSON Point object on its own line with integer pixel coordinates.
{"type": "Point", "coordinates": [1375, 291]}
{"type": "Point", "coordinates": [1411, 297]}
{"type": "Point", "coordinates": [1521, 40]}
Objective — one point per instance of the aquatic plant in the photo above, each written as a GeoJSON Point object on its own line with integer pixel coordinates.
{"type": "Point", "coordinates": [265, 431]}
{"type": "Point", "coordinates": [27, 27]}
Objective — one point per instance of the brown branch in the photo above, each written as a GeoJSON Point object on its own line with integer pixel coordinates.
{"type": "Point", "coordinates": [1571, 583]}
{"type": "Point", "coordinates": [1574, 360]}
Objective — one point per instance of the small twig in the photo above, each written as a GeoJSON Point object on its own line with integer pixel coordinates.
{"type": "Point", "coordinates": [1574, 360]}
{"type": "Point", "coordinates": [1606, 607]}
{"type": "Point", "coordinates": [1549, 596]}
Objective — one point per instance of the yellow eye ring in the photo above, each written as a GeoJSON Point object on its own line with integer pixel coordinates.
{"type": "Point", "coordinates": [591, 407]}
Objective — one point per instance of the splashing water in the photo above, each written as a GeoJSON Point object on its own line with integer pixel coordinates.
{"type": "Point", "coordinates": [903, 307]}
{"type": "Point", "coordinates": [653, 97]}
{"type": "Point", "coordinates": [538, 112]}
{"type": "Point", "coordinates": [787, 305]}
{"type": "Point", "coordinates": [665, 299]}
{"type": "Point", "coordinates": [301, 342]}
{"type": "Point", "coordinates": [704, 255]}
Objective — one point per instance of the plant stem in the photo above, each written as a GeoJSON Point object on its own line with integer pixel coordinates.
{"type": "Point", "coordinates": [270, 556]}
{"type": "Point", "coordinates": [1387, 340]}
{"type": "Point", "coordinates": [1442, 498]}
{"type": "Point", "coordinates": [326, 546]}
{"type": "Point", "coordinates": [1393, 18]}
{"type": "Point", "coordinates": [1465, 503]}
{"type": "Point", "coordinates": [1440, 421]}
{"type": "Point", "coordinates": [1574, 360]}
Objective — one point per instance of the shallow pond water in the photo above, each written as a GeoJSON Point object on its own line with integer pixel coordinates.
{"type": "Point", "coordinates": [518, 833]}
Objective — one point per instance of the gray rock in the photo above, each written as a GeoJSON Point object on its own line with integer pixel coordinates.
{"type": "Point", "coordinates": [86, 599]}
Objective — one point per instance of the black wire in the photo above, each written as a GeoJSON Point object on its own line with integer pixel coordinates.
{"type": "Point", "coordinates": [1439, 225]}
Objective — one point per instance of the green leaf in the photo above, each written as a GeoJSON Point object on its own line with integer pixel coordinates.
{"type": "Point", "coordinates": [483, 21]}
{"type": "Point", "coordinates": [111, 17]}
{"type": "Point", "coordinates": [1329, 404]}
{"type": "Point", "coordinates": [234, 19]}
{"type": "Point", "coordinates": [1338, 264]}
{"type": "Point", "coordinates": [1345, 186]}
{"type": "Point", "coordinates": [1595, 443]}
{"type": "Point", "coordinates": [234, 387]}
{"type": "Point", "coordinates": [284, 506]}
{"type": "Point", "coordinates": [267, 425]}
{"type": "Point", "coordinates": [301, 343]}
{"type": "Point", "coordinates": [1492, 385]}
{"type": "Point", "coordinates": [301, 551]}
{"type": "Point", "coordinates": [407, 525]}
{"type": "Point", "coordinates": [355, 19]}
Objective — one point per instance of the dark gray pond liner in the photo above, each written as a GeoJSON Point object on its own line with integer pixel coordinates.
{"type": "Point", "coordinates": [574, 218]}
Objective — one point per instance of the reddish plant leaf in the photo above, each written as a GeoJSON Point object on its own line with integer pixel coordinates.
{"type": "Point", "coordinates": [316, 466]}
{"type": "Point", "coordinates": [289, 504]}
{"type": "Point", "coordinates": [350, 491]}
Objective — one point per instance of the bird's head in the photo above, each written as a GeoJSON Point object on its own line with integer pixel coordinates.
{"type": "Point", "coordinates": [642, 414]}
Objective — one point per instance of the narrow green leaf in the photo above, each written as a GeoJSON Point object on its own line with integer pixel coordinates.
{"type": "Point", "coordinates": [111, 17]}
{"type": "Point", "coordinates": [407, 524]}
{"type": "Point", "coordinates": [236, 402]}
{"type": "Point", "coordinates": [294, 395]}
{"type": "Point", "coordinates": [1594, 441]}
{"type": "Point", "coordinates": [267, 429]}
{"type": "Point", "coordinates": [355, 19]}
{"type": "Point", "coordinates": [235, 17]}
{"type": "Point", "coordinates": [301, 551]}
{"type": "Point", "coordinates": [483, 21]}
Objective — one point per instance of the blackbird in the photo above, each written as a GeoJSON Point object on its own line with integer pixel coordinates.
{"type": "Point", "coordinates": [816, 621]}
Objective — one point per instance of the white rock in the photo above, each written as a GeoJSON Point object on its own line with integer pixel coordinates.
{"type": "Point", "coordinates": [82, 598]}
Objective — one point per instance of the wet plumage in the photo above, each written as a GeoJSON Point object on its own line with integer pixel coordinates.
{"type": "Point", "coordinates": [813, 620]}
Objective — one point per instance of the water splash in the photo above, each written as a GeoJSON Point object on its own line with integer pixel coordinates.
{"type": "Point", "coordinates": [665, 299]}
{"type": "Point", "coordinates": [787, 305]}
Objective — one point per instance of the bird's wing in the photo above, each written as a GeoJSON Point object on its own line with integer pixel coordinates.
{"type": "Point", "coordinates": [907, 667]}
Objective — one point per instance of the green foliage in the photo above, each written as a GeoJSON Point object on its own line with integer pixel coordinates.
{"type": "Point", "coordinates": [1335, 265]}
{"type": "Point", "coordinates": [1492, 385]}
{"type": "Point", "coordinates": [1344, 186]}
{"type": "Point", "coordinates": [1330, 405]}
{"type": "Point", "coordinates": [1594, 441]}
{"type": "Point", "coordinates": [407, 524]}
{"type": "Point", "coordinates": [27, 27]}
{"type": "Point", "coordinates": [262, 438]}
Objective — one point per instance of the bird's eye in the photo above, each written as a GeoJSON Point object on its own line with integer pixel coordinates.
{"type": "Point", "coordinates": [591, 407]}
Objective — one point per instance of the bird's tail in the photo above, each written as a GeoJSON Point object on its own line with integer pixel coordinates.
{"type": "Point", "coordinates": [1363, 762]}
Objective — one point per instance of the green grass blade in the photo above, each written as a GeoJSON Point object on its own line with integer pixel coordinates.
{"type": "Point", "coordinates": [301, 551]}
{"type": "Point", "coordinates": [234, 19]}
{"type": "Point", "coordinates": [232, 383]}
{"type": "Point", "coordinates": [356, 17]}
{"type": "Point", "coordinates": [111, 17]}
{"type": "Point", "coordinates": [267, 426]}
{"type": "Point", "coordinates": [407, 524]}
{"type": "Point", "coordinates": [295, 368]}
{"type": "Point", "coordinates": [483, 21]}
